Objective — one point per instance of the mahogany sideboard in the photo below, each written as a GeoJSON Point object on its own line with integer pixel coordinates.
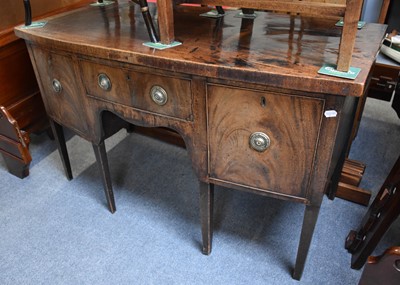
{"type": "Point", "coordinates": [244, 95]}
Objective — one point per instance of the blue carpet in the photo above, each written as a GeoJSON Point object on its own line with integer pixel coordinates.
{"type": "Point", "coordinates": [55, 231]}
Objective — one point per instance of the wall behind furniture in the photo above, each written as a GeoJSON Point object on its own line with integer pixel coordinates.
{"type": "Point", "coordinates": [12, 11]}
{"type": "Point", "coordinates": [371, 10]}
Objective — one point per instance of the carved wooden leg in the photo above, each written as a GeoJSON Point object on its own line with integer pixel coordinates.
{"type": "Point", "coordinates": [58, 133]}
{"type": "Point", "coordinates": [310, 219]}
{"type": "Point", "coordinates": [102, 162]}
{"type": "Point", "coordinates": [16, 166]}
{"type": "Point", "coordinates": [206, 215]}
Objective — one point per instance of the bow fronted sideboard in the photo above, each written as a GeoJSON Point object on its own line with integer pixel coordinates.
{"type": "Point", "coordinates": [244, 94]}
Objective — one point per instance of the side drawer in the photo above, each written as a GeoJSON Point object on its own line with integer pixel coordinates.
{"type": "Point", "coordinates": [61, 89]}
{"type": "Point", "coordinates": [241, 122]}
{"type": "Point", "coordinates": [164, 95]}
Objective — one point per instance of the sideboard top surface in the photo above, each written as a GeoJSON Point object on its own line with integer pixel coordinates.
{"type": "Point", "coordinates": [277, 50]}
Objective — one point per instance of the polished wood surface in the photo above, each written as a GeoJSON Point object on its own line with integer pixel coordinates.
{"type": "Point", "coordinates": [284, 51]}
{"type": "Point", "coordinates": [65, 108]}
{"type": "Point", "coordinates": [282, 119]}
{"type": "Point", "coordinates": [230, 79]}
{"type": "Point", "coordinates": [140, 83]}
{"type": "Point", "coordinates": [14, 144]}
{"type": "Point", "coordinates": [348, 10]}
{"type": "Point", "coordinates": [309, 7]}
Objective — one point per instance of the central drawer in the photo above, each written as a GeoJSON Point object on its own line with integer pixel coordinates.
{"type": "Point", "coordinates": [164, 95]}
{"type": "Point", "coordinates": [262, 140]}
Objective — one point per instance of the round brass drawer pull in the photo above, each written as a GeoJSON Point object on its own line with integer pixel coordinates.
{"type": "Point", "coordinates": [104, 82]}
{"type": "Point", "coordinates": [159, 95]}
{"type": "Point", "coordinates": [259, 141]}
{"type": "Point", "coordinates": [57, 87]}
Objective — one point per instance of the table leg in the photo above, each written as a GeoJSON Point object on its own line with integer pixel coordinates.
{"type": "Point", "coordinates": [58, 133]}
{"type": "Point", "coordinates": [310, 219]}
{"type": "Point", "coordinates": [102, 162]}
{"type": "Point", "coordinates": [206, 215]}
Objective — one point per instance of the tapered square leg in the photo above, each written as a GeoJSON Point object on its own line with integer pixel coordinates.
{"type": "Point", "coordinates": [310, 219]}
{"type": "Point", "coordinates": [206, 215]}
{"type": "Point", "coordinates": [102, 162]}
{"type": "Point", "coordinates": [58, 133]}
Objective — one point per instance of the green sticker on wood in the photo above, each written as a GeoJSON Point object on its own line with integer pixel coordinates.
{"type": "Point", "coordinates": [360, 24]}
{"type": "Point", "coordinates": [33, 25]}
{"type": "Point", "coordinates": [330, 69]}
{"type": "Point", "coordinates": [162, 46]}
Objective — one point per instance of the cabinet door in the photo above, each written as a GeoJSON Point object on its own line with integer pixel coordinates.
{"type": "Point", "coordinates": [291, 124]}
{"type": "Point", "coordinates": [61, 89]}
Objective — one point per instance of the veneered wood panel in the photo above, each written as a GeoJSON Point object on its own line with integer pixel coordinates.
{"type": "Point", "coordinates": [68, 105]}
{"type": "Point", "coordinates": [212, 50]}
{"type": "Point", "coordinates": [132, 88]}
{"type": "Point", "coordinates": [292, 124]}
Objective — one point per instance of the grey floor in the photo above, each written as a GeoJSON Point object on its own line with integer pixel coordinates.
{"type": "Point", "coordinates": [54, 231]}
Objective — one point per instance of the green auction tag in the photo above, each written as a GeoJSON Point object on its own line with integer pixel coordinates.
{"type": "Point", "coordinates": [330, 69]}
{"type": "Point", "coordinates": [360, 24]}
{"type": "Point", "coordinates": [33, 25]}
{"type": "Point", "coordinates": [161, 46]}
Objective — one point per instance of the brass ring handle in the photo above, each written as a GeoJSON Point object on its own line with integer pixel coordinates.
{"type": "Point", "coordinates": [259, 141]}
{"type": "Point", "coordinates": [104, 82]}
{"type": "Point", "coordinates": [57, 87]}
{"type": "Point", "coordinates": [159, 95]}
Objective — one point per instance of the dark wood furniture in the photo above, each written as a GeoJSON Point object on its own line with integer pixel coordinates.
{"type": "Point", "coordinates": [386, 206]}
{"type": "Point", "coordinates": [383, 86]}
{"type": "Point", "coordinates": [244, 95]}
{"type": "Point", "coordinates": [383, 269]}
{"type": "Point", "coordinates": [385, 82]}
{"type": "Point", "coordinates": [380, 215]}
{"type": "Point", "coordinates": [386, 72]}
{"type": "Point", "coordinates": [21, 108]}
{"type": "Point", "coordinates": [349, 182]}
